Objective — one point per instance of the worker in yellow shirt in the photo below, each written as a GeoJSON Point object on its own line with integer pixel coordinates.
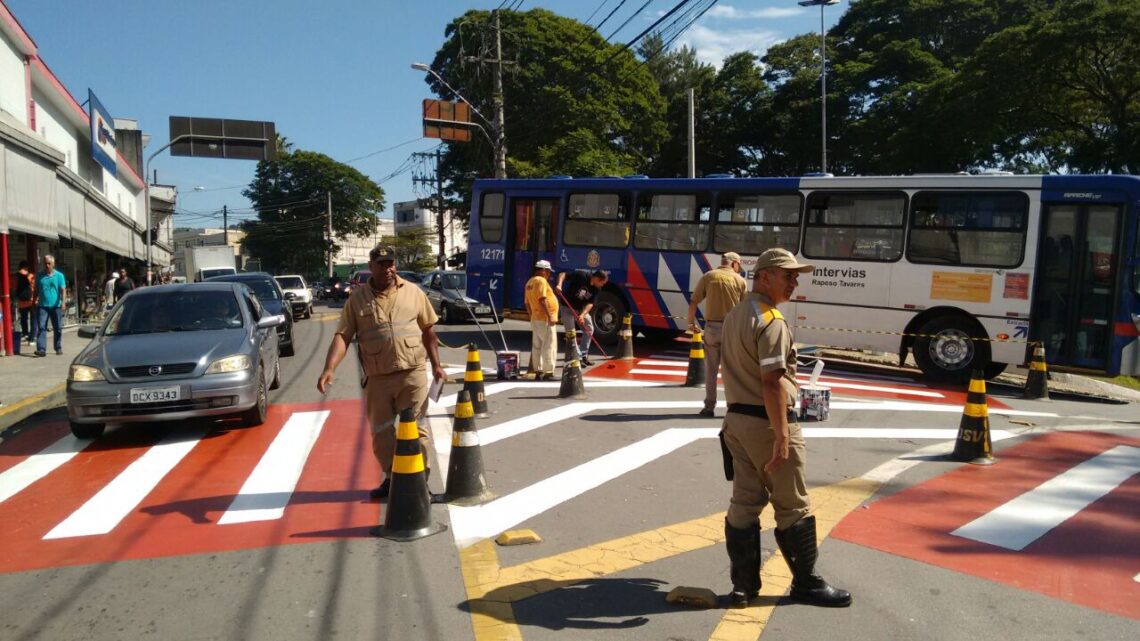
{"type": "Point", "coordinates": [542, 306]}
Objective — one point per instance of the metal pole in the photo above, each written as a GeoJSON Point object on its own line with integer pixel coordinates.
{"type": "Point", "coordinates": [823, 90]}
{"type": "Point", "coordinates": [225, 226]}
{"type": "Point", "coordinates": [692, 135]}
{"type": "Point", "coordinates": [442, 258]}
{"type": "Point", "coordinates": [497, 102]}
{"type": "Point", "coordinates": [328, 249]}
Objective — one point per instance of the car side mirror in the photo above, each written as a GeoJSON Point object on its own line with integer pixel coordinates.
{"type": "Point", "coordinates": [270, 321]}
{"type": "Point", "coordinates": [290, 295]}
{"type": "Point", "coordinates": [88, 331]}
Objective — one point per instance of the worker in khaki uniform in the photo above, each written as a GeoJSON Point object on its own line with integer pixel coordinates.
{"type": "Point", "coordinates": [392, 321]}
{"type": "Point", "coordinates": [720, 289]}
{"type": "Point", "coordinates": [763, 445]}
{"type": "Point", "coordinates": [542, 306]}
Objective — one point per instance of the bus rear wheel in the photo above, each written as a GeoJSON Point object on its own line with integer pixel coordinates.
{"type": "Point", "coordinates": [946, 351]}
{"type": "Point", "coordinates": [609, 310]}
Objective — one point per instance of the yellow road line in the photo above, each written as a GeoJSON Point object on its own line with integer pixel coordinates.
{"type": "Point", "coordinates": [8, 409]}
{"type": "Point", "coordinates": [491, 589]}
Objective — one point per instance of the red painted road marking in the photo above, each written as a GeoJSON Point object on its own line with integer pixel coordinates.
{"type": "Point", "coordinates": [180, 515]}
{"type": "Point", "coordinates": [1088, 559]}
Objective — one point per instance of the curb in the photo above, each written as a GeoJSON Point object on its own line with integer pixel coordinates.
{"type": "Point", "coordinates": [20, 410]}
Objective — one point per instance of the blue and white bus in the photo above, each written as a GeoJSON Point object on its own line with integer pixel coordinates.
{"type": "Point", "coordinates": [918, 265]}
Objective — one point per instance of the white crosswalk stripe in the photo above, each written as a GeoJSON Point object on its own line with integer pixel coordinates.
{"type": "Point", "coordinates": [35, 467]}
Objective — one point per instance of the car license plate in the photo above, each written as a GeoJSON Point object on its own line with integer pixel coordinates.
{"type": "Point", "coordinates": [482, 309]}
{"type": "Point", "coordinates": [154, 394]}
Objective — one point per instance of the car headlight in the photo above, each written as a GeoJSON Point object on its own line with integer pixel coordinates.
{"type": "Point", "coordinates": [229, 364]}
{"type": "Point", "coordinates": [84, 374]}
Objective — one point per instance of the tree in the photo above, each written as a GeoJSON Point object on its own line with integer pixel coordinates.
{"type": "Point", "coordinates": [413, 251]}
{"type": "Point", "coordinates": [676, 71]}
{"type": "Point", "coordinates": [291, 195]}
{"type": "Point", "coordinates": [574, 103]}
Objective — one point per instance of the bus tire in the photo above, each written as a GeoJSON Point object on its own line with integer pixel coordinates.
{"type": "Point", "coordinates": [609, 310]}
{"type": "Point", "coordinates": [945, 352]}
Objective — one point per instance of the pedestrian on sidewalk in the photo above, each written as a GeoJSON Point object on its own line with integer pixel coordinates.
{"type": "Point", "coordinates": [579, 291]}
{"type": "Point", "coordinates": [124, 285]}
{"type": "Point", "coordinates": [763, 444]}
{"type": "Point", "coordinates": [25, 301]}
{"type": "Point", "coordinates": [720, 289]}
{"type": "Point", "coordinates": [394, 324]}
{"type": "Point", "coordinates": [542, 306]}
{"type": "Point", "coordinates": [109, 290]}
{"type": "Point", "coordinates": [51, 302]}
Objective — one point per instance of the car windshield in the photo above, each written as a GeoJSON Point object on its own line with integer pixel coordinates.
{"type": "Point", "coordinates": [455, 281]}
{"type": "Point", "coordinates": [263, 287]}
{"type": "Point", "coordinates": [175, 312]}
{"type": "Point", "coordinates": [290, 282]}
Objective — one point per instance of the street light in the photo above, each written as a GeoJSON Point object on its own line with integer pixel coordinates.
{"type": "Point", "coordinates": [496, 125]}
{"type": "Point", "coordinates": [823, 74]}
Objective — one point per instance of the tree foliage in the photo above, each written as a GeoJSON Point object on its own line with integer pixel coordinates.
{"type": "Point", "coordinates": [291, 196]}
{"type": "Point", "coordinates": [413, 251]}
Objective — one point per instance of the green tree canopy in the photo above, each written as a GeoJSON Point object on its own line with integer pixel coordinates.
{"type": "Point", "coordinates": [291, 195]}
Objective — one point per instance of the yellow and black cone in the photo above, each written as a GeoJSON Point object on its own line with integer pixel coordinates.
{"type": "Point", "coordinates": [572, 385]}
{"type": "Point", "coordinates": [1037, 383]}
{"type": "Point", "coordinates": [466, 483]}
{"type": "Point", "coordinates": [973, 444]}
{"type": "Point", "coordinates": [625, 335]}
{"type": "Point", "coordinates": [473, 382]}
{"type": "Point", "coordinates": [696, 374]}
{"type": "Point", "coordinates": [408, 515]}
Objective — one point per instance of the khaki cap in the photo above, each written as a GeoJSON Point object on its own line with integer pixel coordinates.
{"type": "Point", "coordinates": [782, 258]}
{"type": "Point", "coordinates": [382, 252]}
{"type": "Point", "coordinates": [729, 257]}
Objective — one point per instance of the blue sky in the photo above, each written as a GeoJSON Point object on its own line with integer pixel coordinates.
{"type": "Point", "coordinates": [333, 75]}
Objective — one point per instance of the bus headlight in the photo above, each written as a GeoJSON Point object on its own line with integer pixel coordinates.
{"type": "Point", "coordinates": [229, 364]}
{"type": "Point", "coordinates": [84, 374]}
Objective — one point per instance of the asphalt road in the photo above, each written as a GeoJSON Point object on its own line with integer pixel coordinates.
{"type": "Point", "coordinates": [624, 487]}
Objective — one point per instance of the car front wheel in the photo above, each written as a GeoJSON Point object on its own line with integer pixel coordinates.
{"type": "Point", "coordinates": [255, 415]}
{"type": "Point", "coordinates": [87, 430]}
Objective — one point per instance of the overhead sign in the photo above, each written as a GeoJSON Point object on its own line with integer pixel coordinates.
{"type": "Point", "coordinates": [223, 138]}
{"type": "Point", "coordinates": [103, 146]}
{"type": "Point", "coordinates": [447, 120]}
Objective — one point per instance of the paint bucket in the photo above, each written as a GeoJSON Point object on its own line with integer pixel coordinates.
{"type": "Point", "coordinates": [507, 365]}
{"type": "Point", "coordinates": [814, 402]}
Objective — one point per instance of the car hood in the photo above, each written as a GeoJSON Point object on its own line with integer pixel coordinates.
{"type": "Point", "coordinates": [456, 296]}
{"type": "Point", "coordinates": [165, 347]}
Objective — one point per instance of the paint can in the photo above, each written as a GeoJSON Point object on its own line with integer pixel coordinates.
{"type": "Point", "coordinates": [814, 402]}
{"type": "Point", "coordinates": [507, 365]}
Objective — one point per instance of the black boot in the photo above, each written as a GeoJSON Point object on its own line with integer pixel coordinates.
{"type": "Point", "coordinates": [744, 562]}
{"type": "Point", "coordinates": [385, 487]}
{"type": "Point", "coordinates": [798, 544]}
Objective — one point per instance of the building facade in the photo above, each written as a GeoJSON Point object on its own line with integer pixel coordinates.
{"type": "Point", "coordinates": [413, 218]}
{"type": "Point", "coordinates": [57, 197]}
{"type": "Point", "coordinates": [353, 254]}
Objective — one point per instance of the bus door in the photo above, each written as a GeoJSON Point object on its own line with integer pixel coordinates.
{"type": "Point", "coordinates": [534, 223]}
{"type": "Point", "coordinates": [1076, 283]}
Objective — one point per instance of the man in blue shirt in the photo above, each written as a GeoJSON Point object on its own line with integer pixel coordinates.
{"type": "Point", "coordinates": [51, 300]}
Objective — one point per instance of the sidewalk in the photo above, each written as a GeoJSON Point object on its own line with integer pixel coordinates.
{"type": "Point", "coordinates": [29, 384]}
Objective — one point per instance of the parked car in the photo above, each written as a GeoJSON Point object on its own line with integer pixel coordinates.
{"type": "Point", "coordinates": [269, 293]}
{"type": "Point", "coordinates": [302, 301]}
{"type": "Point", "coordinates": [447, 291]}
{"type": "Point", "coordinates": [173, 352]}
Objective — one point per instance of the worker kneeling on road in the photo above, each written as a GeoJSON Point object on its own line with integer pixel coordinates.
{"type": "Point", "coordinates": [763, 440]}
{"type": "Point", "coordinates": [393, 322]}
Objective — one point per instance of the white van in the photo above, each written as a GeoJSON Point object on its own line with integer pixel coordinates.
{"type": "Point", "coordinates": [302, 297]}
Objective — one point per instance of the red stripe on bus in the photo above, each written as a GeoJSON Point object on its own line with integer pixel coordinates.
{"type": "Point", "coordinates": [644, 301]}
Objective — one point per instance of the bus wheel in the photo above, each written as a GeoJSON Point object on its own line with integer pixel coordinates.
{"type": "Point", "coordinates": [945, 350]}
{"type": "Point", "coordinates": [609, 310]}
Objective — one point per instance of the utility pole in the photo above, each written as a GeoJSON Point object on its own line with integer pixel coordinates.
{"type": "Point", "coordinates": [328, 247]}
{"type": "Point", "coordinates": [225, 226]}
{"type": "Point", "coordinates": [497, 102]}
{"type": "Point", "coordinates": [692, 135]}
{"type": "Point", "coordinates": [442, 259]}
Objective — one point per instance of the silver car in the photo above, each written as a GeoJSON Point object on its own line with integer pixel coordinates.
{"type": "Point", "coordinates": [176, 352]}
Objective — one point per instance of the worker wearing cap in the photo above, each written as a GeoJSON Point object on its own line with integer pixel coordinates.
{"type": "Point", "coordinates": [392, 321]}
{"type": "Point", "coordinates": [720, 289]}
{"type": "Point", "coordinates": [763, 444]}
{"type": "Point", "coordinates": [542, 306]}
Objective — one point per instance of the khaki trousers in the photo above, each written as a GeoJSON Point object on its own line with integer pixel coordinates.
{"type": "Point", "coordinates": [712, 361]}
{"type": "Point", "coordinates": [385, 396]}
{"type": "Point", "coordinates": [543, 346]}
{"type": "Point", "coordinates": [750, 441]}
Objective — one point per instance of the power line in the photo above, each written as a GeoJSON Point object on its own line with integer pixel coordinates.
{"type": "Point", "coordinates": [630, 19]}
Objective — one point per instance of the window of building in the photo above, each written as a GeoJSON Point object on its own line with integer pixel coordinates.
{"type": "Point", "coordinates": [752, 223]}
{"type": "Point", "coordinates": [955, 228]}
{"type": "Point", "coordinates": [673, 222]}
{"type": "Point", "coordinates": [596, 220]}
{"type": "Point", "coordinates": [491, 217]}
{"type": "Point", "coordinates": [855, 226]}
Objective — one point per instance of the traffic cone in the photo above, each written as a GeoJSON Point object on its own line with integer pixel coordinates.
{"type": "Point", "coordinates": [571, 386]}
{"type": "Point", "coordinates": [625, 335]}
{"type": "Point", "coordinates": [696, 374]}
{"type": "Point", "coordinates": [973, 444]}
{"type": "Point", "coordinates": [1037, 383]}
{"type": "Point", "coordinates": [466, 484]}
{"type": "Point", "coordinates": [408, 516]}
{"type": "Point", "coordinates": [473, 382]}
